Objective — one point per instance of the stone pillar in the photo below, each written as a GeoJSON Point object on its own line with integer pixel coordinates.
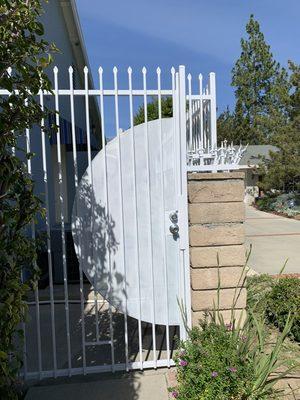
{"type": "Point", "coordinates": [216, 230]}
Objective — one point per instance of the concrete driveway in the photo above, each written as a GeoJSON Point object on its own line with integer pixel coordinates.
{"type": "Point", "coordinates": [274, 239]}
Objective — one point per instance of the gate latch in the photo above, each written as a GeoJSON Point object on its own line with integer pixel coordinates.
{"type": "Point", "coordinates": [174, 228]}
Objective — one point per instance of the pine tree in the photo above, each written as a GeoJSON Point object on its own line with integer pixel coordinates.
{"type": "Point", "coordinates": [295, 87]}
{"type": "Point", "coordinates": [261, 90]}
{"type": "Point", "coordinates": [282, 170]}
{"type": "Point", "coordinates": [225, 127]}
{"type": "Point", "coordinates": [152, 110]}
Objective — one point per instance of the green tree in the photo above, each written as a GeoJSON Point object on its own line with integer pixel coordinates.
{"type": "Point", "coordinates": [225, 127]}
{"type": "Point", "coordinates": [23, 49]}
{"type": "Point", "coordinates": [294, 108]}
{"type": "Point", "coordinates": [261, 90]}
{"type": "Point", "coordinates": [152, 110]}
{"type": "Point", "coordinates": [282, 171]}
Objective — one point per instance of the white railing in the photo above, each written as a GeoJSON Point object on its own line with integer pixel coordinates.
{"type": "Point", "coordinates": [203, 153]}
{"type": "Point", "coordinates": [201, 115]}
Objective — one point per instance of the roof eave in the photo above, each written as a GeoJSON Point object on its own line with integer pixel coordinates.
{"type": "Point", "coordinates": [77, 42]}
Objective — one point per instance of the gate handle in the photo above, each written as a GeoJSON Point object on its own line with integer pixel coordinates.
{"type": "Point", "coordinates": [174, 217]}
{"type": "Point", "coordinates": [174, 229]}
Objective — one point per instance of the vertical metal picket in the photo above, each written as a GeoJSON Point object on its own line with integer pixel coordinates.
{"type": "Point", "coordinates": [213, 116]}
{"type": "Point", "coordinates": [137, 245]}
{"type": "Point", "coordinates": [116, 100]}
{"type": "Point", "coordinates": [47, 221]}
{"type": "Point", "coordinates": [162, 183]}
{"type": "Point", "coordinates": [177, 167]}
{"type": "Point", "coordinates": [74, 151]}
{"type": "Point", "coordinates": [91, 191]}
{"type": "Point", "coordinates": [62, 217]}
{"type": "Point", "coordinates": [111, 328]}
{"type": "Point", "coordinates": [183, 211]}
{"type": "Point", "coordinates": [178, 143]}
{"type": "Point", "coordinates": [201, 111]}
{"type": "Point", "coordinates": [36, 290]}
{"type": "Point", "coordinates": [144, 73]}
{"type": "Point", "coordinates": [190, 115]}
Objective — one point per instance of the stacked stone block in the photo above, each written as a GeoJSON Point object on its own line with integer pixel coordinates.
{"type": "Point", "coordinates": [216, 230]}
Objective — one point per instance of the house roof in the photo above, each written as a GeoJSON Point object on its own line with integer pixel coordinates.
{"type": "Point", "coordinates": [81, 58]}
{"type": "Point", "coordinates": [253, 154]}
{"type": "Point", "coordinates": [75, 34]}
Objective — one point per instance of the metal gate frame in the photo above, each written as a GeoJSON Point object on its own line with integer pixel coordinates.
{"type": "Point", "coordinates": [187, 133]}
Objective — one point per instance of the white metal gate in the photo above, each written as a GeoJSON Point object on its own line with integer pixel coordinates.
{"type": "Point", "coordinates": [129, 225]}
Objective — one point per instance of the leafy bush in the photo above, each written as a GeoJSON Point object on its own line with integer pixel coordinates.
{"type": "Point", "coordinates": [265, 203]}
{"type": "Point", "coordinates": [275, 299]}
{"type": "Point", "coordinates": [22, 49]}
{"type": "Point", "coordinates": [284, 298]}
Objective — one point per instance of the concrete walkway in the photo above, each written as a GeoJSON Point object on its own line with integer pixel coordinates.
{"type": "Point", "coordinates": [274, 239]}
{"type": "Point", "coordinates": [147, 385]}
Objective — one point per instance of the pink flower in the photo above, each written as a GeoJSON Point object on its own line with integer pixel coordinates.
{"type": "Point", "coordinates": [232, 369]}
{"type": "Point", "coordinates": [183, 363]}
{"type": "Point", "coordinates": [175, 394]}
{"type": "Point", "coordinates": [243, 338]}
{"type": "Point", "coordinates": [214, 374]}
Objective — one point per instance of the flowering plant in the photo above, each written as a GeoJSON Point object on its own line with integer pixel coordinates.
{"type": "Point", "coordinates": [210, 364]}
{"type": "Point", "coordinates": [229, 360]}
{"type": "Point", "coordinates": [218, 363]}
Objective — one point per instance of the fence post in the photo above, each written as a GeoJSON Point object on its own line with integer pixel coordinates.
{"type": "Point", "coordinates": [217, 237]}
{"type": "Point", "coordinates": [183, 204]}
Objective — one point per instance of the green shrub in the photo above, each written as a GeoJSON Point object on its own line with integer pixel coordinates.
{"type": "Point", "coordinates": [284, 298]}
{"type": "Point", "coordinates": [265, 203]}
{"type": "Point", "coordinates": [23, 49]}
{"type": "Point", "coordinates": [274, 299]}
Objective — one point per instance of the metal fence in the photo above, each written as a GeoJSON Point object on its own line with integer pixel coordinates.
{"type": "Point", "coordinates": [129, 223]}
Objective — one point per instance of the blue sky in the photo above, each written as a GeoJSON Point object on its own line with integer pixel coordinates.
{"type": "Point", "coordinates": [204, 35]}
